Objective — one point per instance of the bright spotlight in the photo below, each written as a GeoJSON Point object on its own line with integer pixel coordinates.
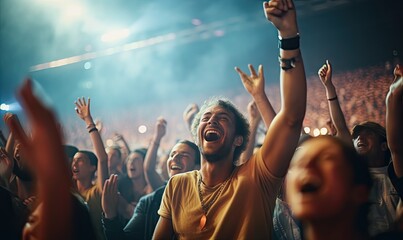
{"type": "Point", "coordinates": [196, 22]}
{"type": "Point", "coordinates": [14, 106]}
{"type": "Point", "coordinates": [307, 130]}
{"type": "Point", "coordinates": [87, 65]}
{"type": "Point", "coordinates": [316, 132]}
{"type": "Point", "coordinates": [323, 131]}
{"type": "Point", "coordinates": [142, 129]}
{"type": "Point", "coordinates": [4, 107]}
{"type": "Point", "coordinates": [115, 35]}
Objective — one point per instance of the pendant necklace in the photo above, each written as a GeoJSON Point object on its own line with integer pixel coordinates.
{"type": "Point", "coordinates": [206, 207]}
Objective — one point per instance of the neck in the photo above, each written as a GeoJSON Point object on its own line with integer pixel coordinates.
{"type": "Point", "coordinates": [83, 185]}
{"type": "Point", "coordinates": [139, 183]}
{"type": "Point", "coordinates": [332, 229]}
{"type": "Point", "coordinates": [216, 172]}
{"type": "Point", "coordinates": [376, 160]}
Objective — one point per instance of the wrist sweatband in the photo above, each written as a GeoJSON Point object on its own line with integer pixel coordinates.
{"type": "Point", "coordinates": [332, 99]}
{"type": "Point", "coordinates": [288, 43]}
{"type": "Point", "coordinates": [92, 129]}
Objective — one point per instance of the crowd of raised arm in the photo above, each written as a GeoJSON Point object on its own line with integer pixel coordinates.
{"type": "Point", "coordinates": [220, 180]}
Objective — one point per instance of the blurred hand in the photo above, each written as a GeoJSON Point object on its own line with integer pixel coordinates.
{"type": "Point", "coordinates": [254, 114]}
{"type": "Point", "coordinates": [6, 165]}
{"type": "Point", "coordinates": [110, 195]}
{"type": "Point", "coordinates": [160, 129]}
{"type": "Point", "coordinates": [190, 113]}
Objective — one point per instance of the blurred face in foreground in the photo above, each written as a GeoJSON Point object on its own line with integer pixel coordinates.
{"type": "Point", "coordinates": [320, 181]}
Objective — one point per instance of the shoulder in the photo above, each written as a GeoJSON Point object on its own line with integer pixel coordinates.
{"type": "Point", "coordinates": [182, 181]}
{"type": "Point", "coordinates": [183, 177]}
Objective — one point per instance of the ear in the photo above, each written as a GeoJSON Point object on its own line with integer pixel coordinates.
{"type": "Point", "coordinates": [238, 141]}
{"type": "Point", "coordinates": [93, 168]}
{"type": "Point", "coordinates": [360, 194]}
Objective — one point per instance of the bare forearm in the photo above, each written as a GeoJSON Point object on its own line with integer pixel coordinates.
{"type": "Point", "coordinates": [265, 108]}
{"type": "Point", "coordinates": [293, 88]}
{"type": "Point", "coordinates": [251, 144]}
{"type": "Point", "coordinates": [337, 116]}
{"type": "Point", "coordinates": [99, 150]}
{"type": "Point", "coordinates": [394, 128]}
{"type": "Point", "coordinates": [152, 177]}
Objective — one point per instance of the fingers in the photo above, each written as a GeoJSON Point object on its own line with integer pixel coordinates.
{"type": "Point", "coordinates": [322, 71]}
{"type": "Point", "coordinates": [397, 71]}
{"type": "Point", "coordinates": [290, 4]}
{"type": "Point", "coordinates": [114, 182]}
{"type": "Point", "coordinates": [110, 185]}
{"type": "Point", "coordinates": [261, 70]}
{"type": "Point", "coordinates": [273, 7]}
{"type": "Point", "coordinates": [329, 66]}
{"type": "Point", "coordinates": [252, 70]}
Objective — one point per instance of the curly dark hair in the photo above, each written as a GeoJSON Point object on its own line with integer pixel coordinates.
{"type": "Point", "coordinates": [241, 123]}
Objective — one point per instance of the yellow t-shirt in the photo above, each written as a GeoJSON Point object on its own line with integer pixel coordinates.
{"type": "Point", "coordinates": [93, 198]}
{"type": "Point", "coordinates": [243, 210]}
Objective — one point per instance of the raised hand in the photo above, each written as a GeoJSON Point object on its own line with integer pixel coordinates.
{"type": "Point", "coordinates": [47, 159]}
{"type": "Point", "coordinates": [189, 114]}
{"type": "Point", "coordinates": [325, 73]}
{"type": "Point", "coordinates": [253, 83]}
{"type": "Point", "coordinates": [160, 129]}
{"type": "Point", "coordinates": [83, 108]}
{"type": "Point", "coordinates": [397, 72]}
{"type": "Point", "coordinates": [6, 166]}
{"type": "Point", "coordinates": [254, 114]}
{"type": "Point", "coordinates": [281, 13]}
{"type": "Point", "coordinates": [110, 197]}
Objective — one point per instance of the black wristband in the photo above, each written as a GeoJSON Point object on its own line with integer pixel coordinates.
{"type": "Point", "coordinates": [289, 43]}
{"type": "Point", "coordinates": [92, 129]}
{"type": "Point", "coordinates": [332, 99]}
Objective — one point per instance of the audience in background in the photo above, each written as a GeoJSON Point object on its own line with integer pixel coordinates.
{"type": "Point", "coordinates": [348, 185]}
{"type": "Point", "coordinates": [184, 156]}
{"type": "Point", "coordinates": [369, 140]}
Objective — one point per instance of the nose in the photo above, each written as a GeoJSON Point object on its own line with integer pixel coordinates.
{"type": "Point", "coordinates": [175, 158]}
{"type": "Point", "coordinates": [212, 120]}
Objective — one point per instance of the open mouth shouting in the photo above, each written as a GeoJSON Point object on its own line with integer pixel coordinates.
{"type": "Point", "coordinates": [75, 171]}
{"type": "Point", "coordinates": [176, 168]}
{"type": "Point", "coordinates": [212, 135]}
{"type": "Point", "coordinates": [309, 185]}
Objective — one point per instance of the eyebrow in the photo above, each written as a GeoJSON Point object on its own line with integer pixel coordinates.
{"type": "Point", "coordinates": [220, 112]}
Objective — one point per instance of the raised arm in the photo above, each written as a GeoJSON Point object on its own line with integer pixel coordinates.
{"type": "Point", "coordinates": [189, 114]}
{"type": "Point", "coordinates": [10, 141]}
{"type": "Point", "coordinates": [336, 114]}
{"type": "Point", "coordinates": [284, 131]}
{"type": "Point", "coordinates": [150, 160]}
{"type": "Point", "coordinates": [122, 143]}
{"type": "Point", "coordinates": [49, 163]}
{"type": "Point", "coordinates": [83, 111]}
{"type": "Point", "coordinates": [394, 121]}
{"type": "Point", "coordinates": [254, 84]}
{"type": "Point", "coordinates": [254, 120]}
